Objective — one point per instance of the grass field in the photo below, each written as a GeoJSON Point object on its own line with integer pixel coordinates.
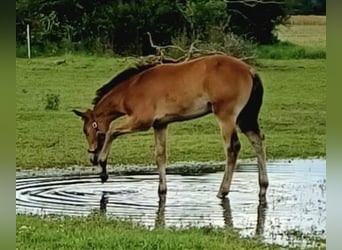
{"type": "Point", "coordinates": [293, 118]}
{"type": "Point", "coordinates": [96, 232]}
{"type": "Point", "coordinates": [307, 20]}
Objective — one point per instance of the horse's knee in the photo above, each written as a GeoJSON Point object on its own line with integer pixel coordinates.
{"type": "Point", "coordinates": [236, 146]}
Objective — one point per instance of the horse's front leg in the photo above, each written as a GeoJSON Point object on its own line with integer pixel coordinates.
{"type": "Point", "coordinates": [160, 154]}
{"type": "Point", "coordinates": [130, 125]}
{"type": "Point", "coordinates": [104, 155]}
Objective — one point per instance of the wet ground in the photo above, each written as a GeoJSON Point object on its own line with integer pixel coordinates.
{"type": "Point", "coordinates": [296, 199]}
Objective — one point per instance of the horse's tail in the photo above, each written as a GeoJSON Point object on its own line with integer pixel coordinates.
{"type": "Point", "coordinates": [248, 118]}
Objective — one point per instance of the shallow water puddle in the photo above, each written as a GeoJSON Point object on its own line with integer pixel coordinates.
{"type": "Point", "coordinates": [296, 199]}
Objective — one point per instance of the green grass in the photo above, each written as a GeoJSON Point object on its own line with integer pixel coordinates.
{"type": "Point", "coordinates": [292, 117]}
{"type": "Point", "coordinates": [287, 50]}
{"type": "Point", "coordinates": [97, 232]}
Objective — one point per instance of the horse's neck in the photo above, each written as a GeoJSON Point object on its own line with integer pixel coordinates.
{"type": "Point", "coordinates": [108, 109]}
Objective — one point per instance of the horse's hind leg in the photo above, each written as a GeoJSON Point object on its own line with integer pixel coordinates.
{"type": "Point", "coordinates": [232, 148]}
{"type": "Point", "coordinates": [160, 154]}
{"type": "Point", "coordinates": [256, 138]}
{"type": "Point", "coordinates": [248, 123]}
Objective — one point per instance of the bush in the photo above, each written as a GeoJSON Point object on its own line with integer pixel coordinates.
{"type": "Point", "coordinates": [21, 51]}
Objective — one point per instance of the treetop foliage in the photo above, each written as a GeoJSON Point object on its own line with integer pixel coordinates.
{"type": "Point", "coordinates": [121, 26]}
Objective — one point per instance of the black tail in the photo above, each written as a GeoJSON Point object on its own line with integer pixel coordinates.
{"type": "Point", "coordinates": [248, 118]}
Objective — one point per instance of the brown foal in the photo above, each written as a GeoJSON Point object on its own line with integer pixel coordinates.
{"type": "Point", "coordinates": [155, 95]}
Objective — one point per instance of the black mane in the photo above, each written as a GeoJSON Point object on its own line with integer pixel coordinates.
{"type": "Point", "coordinates": [122, 76]}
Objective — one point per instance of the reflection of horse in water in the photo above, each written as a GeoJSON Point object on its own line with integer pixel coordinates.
{"type": "Point", "coordinates": [160, 214]}
{"type": "Point", "coordinates": [261, 216]}
{"type": "Point", "coordinates": [227, 213]}
{"type": "Point", "coordinates": [103, 202]}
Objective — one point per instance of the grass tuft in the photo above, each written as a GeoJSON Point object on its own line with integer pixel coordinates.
{"type": "Point", "coordinates": [52, 101]}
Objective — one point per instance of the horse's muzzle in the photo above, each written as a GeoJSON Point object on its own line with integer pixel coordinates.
{"type": "Point", "coordinates": [95, 152]}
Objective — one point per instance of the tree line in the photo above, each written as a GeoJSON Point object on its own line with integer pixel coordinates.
{"type": "Point", "coordinates": [120, 26]}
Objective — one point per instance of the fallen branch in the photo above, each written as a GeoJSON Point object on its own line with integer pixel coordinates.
{"type": "Point", "coordinates": [161, 55]}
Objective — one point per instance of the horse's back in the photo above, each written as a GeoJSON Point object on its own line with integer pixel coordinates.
{"type": "Point", "coordinates": [191, 89]}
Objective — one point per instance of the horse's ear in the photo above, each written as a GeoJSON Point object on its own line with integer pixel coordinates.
{"type": "Point", "coordinates": [79, 113]}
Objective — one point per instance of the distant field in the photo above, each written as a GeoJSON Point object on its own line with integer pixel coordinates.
{"type": "Point", "coordinates": [309, 31]}
{"type": "Point", "coordinates": [308, 20]}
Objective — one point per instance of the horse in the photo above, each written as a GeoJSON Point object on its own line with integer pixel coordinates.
{"type": "Point", "coordinates": [158, 94]}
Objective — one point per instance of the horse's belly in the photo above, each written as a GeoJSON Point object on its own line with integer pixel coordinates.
{"type": "Point", "coordinates": [175, 112]}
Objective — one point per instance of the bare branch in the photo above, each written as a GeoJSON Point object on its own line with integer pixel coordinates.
{"type": "Point", "coordinates": [240, 13]}
{"type": "Point", "coordinates": [253, 3]}
{"type": "Point", "coordinates": [163, 47]}
{"type": "Point", "coordinates": [193, 52]}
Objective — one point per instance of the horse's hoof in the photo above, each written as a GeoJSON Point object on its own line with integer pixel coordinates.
{"type": "Point", "coordinates": [221, 195]}
{"type": "Point", "coordinates": [104, 177]}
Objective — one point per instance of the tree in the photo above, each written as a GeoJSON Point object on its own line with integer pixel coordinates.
{"type": "Point", "coordinates": [121, 26]}
{"type": "Point", "coordinates": [256, 20]}
{"type": "Point", "coordinates": [308, 7]}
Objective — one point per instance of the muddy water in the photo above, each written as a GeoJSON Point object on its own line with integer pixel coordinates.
{"type": "Point", "coordinates": [296, 200]}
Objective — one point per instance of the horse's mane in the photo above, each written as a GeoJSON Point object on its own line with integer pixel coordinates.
{"type": "Point", "coordinates": [121, 77]}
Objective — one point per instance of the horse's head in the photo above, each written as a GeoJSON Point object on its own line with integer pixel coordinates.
{"type": "Point", "coordinates": [94, 131]}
